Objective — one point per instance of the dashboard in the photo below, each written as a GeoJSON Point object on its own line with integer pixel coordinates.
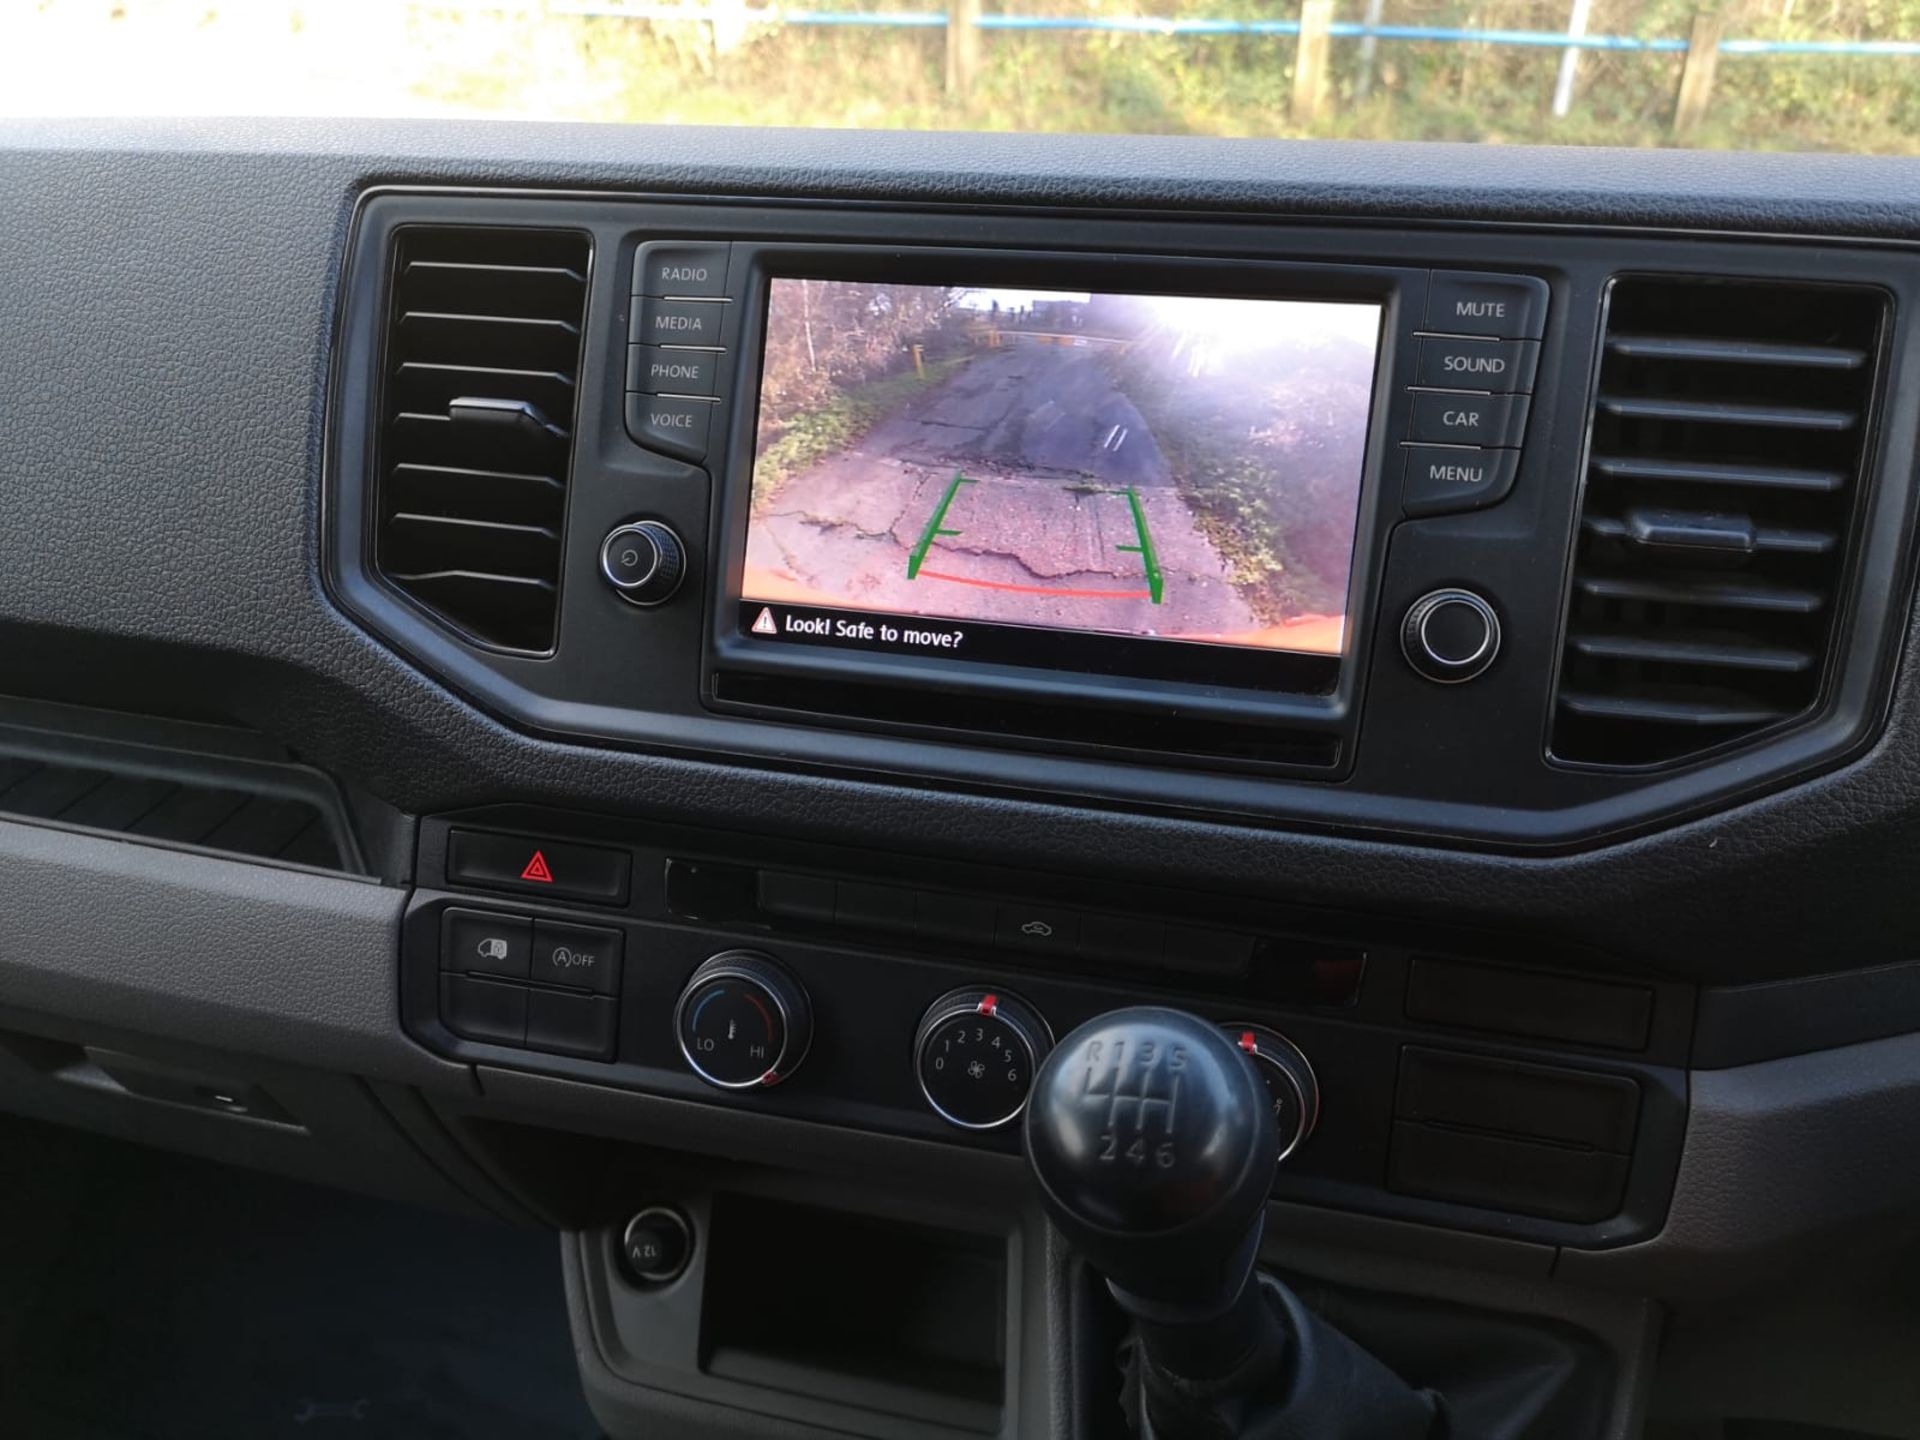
{"type": "Point", "coordinates": [711, 812]}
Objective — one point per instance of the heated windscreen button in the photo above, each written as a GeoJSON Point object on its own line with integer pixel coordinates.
{"type": "Point", "coordinates": [1508, 307]}
{"type": "Point", "coordinates": [1462, 362]}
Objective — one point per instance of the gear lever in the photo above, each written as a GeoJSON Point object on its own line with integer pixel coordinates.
{"type": "Point", "coordinates": [1153, 1142]}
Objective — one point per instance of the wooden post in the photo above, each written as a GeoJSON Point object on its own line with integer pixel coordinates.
{"type": "Point", "coordinates": [963, 47]}
{"type": "Point", "coordinates": [1310, 60]}
{"type": "Point", "coordinates": [1570, 59]}
{"type": "Point", "coordinates": [1369, 47]}
{"type": "Point", "coordinates": [1696, 78]}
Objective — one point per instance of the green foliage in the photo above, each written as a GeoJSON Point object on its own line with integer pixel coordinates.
{"type": "Point", "coordinates": [809, 436]}
{"type": "Point", "coordinates": [1287, 544]}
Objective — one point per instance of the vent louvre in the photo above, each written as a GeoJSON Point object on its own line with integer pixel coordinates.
{"type": "Point", "coordinates": [1725, 473]}
{"type": "Point", "coordinates": [477, 413]}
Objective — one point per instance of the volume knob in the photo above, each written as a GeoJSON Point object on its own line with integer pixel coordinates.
{"type": "Point", "coordinates": [644, 561]}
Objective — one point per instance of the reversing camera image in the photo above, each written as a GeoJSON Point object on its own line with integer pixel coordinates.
{"type": "Point", "coordinates": [1157, 466]}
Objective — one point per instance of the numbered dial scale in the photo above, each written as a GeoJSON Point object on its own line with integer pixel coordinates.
{"type": "Point", "coordinates": [975, 1054]}
{"type": "Point", "coordinates": [742, 1021]}
{"type": "Point", "coordinates": [1289, 1080]}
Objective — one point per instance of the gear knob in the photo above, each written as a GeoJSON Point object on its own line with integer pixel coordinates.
{"type": "Point", "coordinates": [1153, 1142]}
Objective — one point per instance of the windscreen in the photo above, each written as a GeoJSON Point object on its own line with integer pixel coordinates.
{"type": "Point", "coordinates": [1162, 467]}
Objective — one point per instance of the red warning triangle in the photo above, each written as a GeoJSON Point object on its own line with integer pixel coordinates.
{"type": "Point", "coordinates": [763, 623]}
{"type": "Point", "coordinates": [537, 870]}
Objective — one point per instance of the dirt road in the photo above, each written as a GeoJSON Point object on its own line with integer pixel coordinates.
{"type": "Point", "coordinates": [1064, 514]}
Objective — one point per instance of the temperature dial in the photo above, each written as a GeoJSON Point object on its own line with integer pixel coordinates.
{"type": "Point", "coordinates": [1289, 1080]}
{"type": "Point", "coordinates": [742, 1021]}
{"type": "Point", "coordinates": [975, 1055]}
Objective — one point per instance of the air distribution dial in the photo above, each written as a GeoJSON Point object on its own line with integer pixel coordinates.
{"type": "Point", "coordinates": [975, 1054]}
{"type": "Point", "coordinates": [743, 1021]}
{"type": "Point", "coordinates": [1289, 1080]}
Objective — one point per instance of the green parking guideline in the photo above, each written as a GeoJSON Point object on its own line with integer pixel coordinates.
{"type": "Point", "coordinates": [933, 530]}
{"type": "Point", "coordinates": [1156, 582]}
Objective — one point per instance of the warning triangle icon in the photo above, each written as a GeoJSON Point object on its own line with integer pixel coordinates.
{"type": "Point", "coordinates": [763, 623]}
{"type": "Point", "coordinates": [537, 869]}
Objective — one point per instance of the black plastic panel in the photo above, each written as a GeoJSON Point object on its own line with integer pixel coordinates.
{"type": "Point", "coordinates": [869, 989]}
{"type": "Point", "coordinates": [1420, 760]}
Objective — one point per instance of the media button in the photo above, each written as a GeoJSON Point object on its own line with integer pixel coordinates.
{"type": "Point", "coordinates": [671, 424]}
{"type": "Point", "coordinates": [673, 372]}
{"type": "Point", "coordinates": [702, 323]}
{"type": "Point", "coordinates": [1460, 419]}
{"type": "Point", "coordinates": [1459, 362]}
{"type": "Point", "coordinates": [1509, 307]}
{"type": "Point", "coordinates": [1442, 479]}
{"type": "Point", "coordinates": [679, 268]}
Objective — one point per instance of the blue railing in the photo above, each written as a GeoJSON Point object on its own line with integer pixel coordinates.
{"type": "Point", "coordinates": [1152, 25]}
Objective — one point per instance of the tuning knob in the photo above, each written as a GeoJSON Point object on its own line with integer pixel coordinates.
{"type": "Point", "coordinates": [1450, 636]}
{"type": "Point", "coordinates": [644, 562]}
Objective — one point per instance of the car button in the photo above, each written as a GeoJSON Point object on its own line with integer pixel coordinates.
{"type": "Point", "coordinates": [1468, 419]}
{"type": "Point", "coordinates": [701, 323]}
{"type": "Point", "coordinates": [1510, 307]}
{"type": "Point", "coordinates": [672, 267]}
{"type": "Point", "coordinates": [659, 371]}
{"type": "Point", "coordinates": [1442, 479]}
{"type": "Point", "coordinates": [487, 944]}
{"type": "Point", "coordinates": [670, 424]}
{"type": "Point", "coordinates": [1464, 363]}
{"type": "Point", "coordinates": [585, 957]}
{"type": "Point", "coordinates": [570, 1024]}
{"type": "Point", "coordinates": [529, 866]}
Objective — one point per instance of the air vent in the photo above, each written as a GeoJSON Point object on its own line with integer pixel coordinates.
{"type": "Point", "coordinates": [1724, 477]}
{"type": "Point", "coordinates": [477, 415]}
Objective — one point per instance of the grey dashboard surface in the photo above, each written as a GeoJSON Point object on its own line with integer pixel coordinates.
{"type": "Point", "coordinates": [166, 315]}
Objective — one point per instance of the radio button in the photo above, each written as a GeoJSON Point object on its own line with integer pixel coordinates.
{"type": "Point", "coordinates": [1497, 420]}
{"type": "Point", "coordinates": [1458, 362]}
{"type": "Point", "coordinates": [702, 323]}
{"type": "Point", "coordinates": [1510, 307]}
{"type": "Point", "coordinates": [671, 424]}
{"type": "Point", "coordinates": [673, 372]}
{"type": "Point", "coordinates": [1443, 479]}
{"type": "Point", "coordinates": [676, 268]}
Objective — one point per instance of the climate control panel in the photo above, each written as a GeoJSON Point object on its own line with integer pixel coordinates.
{"type": "Point", "coordinates": [811, 986]}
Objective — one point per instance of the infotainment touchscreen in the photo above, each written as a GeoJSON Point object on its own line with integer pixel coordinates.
{"type": "Point", "coordinates": [980, 472]}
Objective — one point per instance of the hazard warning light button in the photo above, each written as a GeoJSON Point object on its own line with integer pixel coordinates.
{"type": "Point", "coordinates": [529, 865]}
